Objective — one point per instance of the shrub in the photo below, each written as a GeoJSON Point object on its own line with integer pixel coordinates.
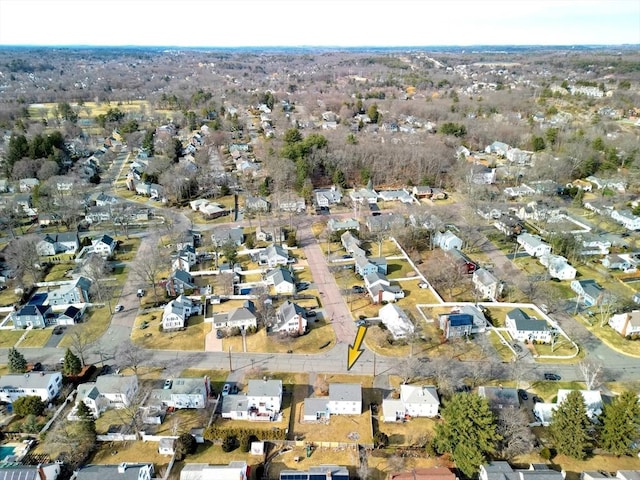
{"type": "Point", "coordinates": [228, 443]}
{"type": "Point", "coordinates": [545, 453]}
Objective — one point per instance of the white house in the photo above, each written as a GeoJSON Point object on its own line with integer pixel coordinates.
{"type": "Point", "coordinates": [626, 323]}
{"type": "Point", "coordinates": [343, 399]}
{"type": "Point", "coordinates": [55, 243]}
{"type": "Point", "coordinates": [273, 255]}
{"type": "Point", "coordinates": [290, 318]}
{"type": "Point", "coordinates": [396, 321]}
{"type": "Point", "coordinates": [414, 401]}
{"type": "Point", "coordinates": [282, 281]}
{"type": "Point", "coordinates": [627, 219]}
{"type": "Point", "coordinates": [103, 245]}
{"type": "Point", "coordinates": [45, 385]}
{"type": "Point", "coordinates": [521, 190]}
{"type": "Point", "coordinates": [264, 399]}
{"type": "Point", "coordinates": [121, 471]}
{"type": "Point", "coordinates": [533, 244]}
{"type": "Point", "coordinates": [201, 471]}
{"type": "Point", "coordinates": [182, 393]}
{"type": "Point", "coordinates": [487, 285]}
{"type": "Point", "coordinates": [108, 391]}
{"type": "Point", "coordinates": [328, 197]}
{"type": "Point", "coordinates": [590, 292]}
{"type": "Point", "coordinates": [447, 240]}
{"type": "Point", "coordinates": [176, 313]}
{"type": "Point", "coordinates": [242, 317]}
{"type": "Point", "coordinates": [558, 267]}
{"type": "Point", "coordinates": [523, 328]}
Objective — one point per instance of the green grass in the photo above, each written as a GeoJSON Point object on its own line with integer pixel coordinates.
{"type": "Point", "coordinates": [191, 338]}
{"type": "Point", "coordinates": [96, 321]}
{"type": "Point", "coordinates": [36, 338]}
{"type": "Point", "coordinates": [8, 338]}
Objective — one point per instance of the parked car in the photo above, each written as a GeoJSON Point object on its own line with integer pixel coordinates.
{"type": "Point", "coordinates": [362, 323]}
{"type": "Point", "coordinates": [119, 308]}
{"type": "Point", "coordinates": [423, 285]}
{"type": "Point", "coordinates": [346, 256]}
{"type": "Point", "coordinates": [226, 389]}
{"type": "Point", "coordinates": [358, 289]}
{"type": "Point", "coordinates": [523, 394]}
{"type": "Point", "coordinates": [311, 313]}
{"type": "Point", "coordinates": [234, 389]}
{"type": "Point", "coordinates": [219, 334]}
{"type": "Point", "coordinates": [141, 293]}
{"type": "Point", "coordinates": [552, 376]}
{"type": "Point", "coordinates": [167, 384]}
{"type": "Point", "coordinates": [302, 286]}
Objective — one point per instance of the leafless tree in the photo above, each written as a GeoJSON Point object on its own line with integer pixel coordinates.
{"type": "Point", "coordinates": [517, 437]}
{"type": "Point", "coordinates": [132, 355]}
{"type": "Point", "coordinates": [22, 257]}
{"type": "Point", "coordinates": [591, 371]}
{"type": "Point", "coordinates": [81, 342]}
{"type": "Point", "coordinates": [411, 368]}
{"type": "Point", "coordinates": [150, 266]}
{"type": "Point", "coordinates": [98, 270]}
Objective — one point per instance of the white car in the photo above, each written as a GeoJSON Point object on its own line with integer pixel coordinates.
{"type": "Point", "coordinates": [423, 285]}
{"type": "Point", "coordinates": [119, 308]}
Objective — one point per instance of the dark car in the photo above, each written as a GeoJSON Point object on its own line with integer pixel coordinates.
{"type": "Point", "coordinates": [358, 289]}
{"type": "Point", "coordinates": [551, 376]}
{"type": "Point", "coordinates": [523, 394]}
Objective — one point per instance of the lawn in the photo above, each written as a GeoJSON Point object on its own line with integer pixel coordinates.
{"type": "Point", "coordinates": [95, 323]}
{"type": "Point", "coordinates": [319, 334]}
{"type": "Point", "coordinates": [399, 268]}
{"type": "Point", "coordinates": [503, 351]}
{"type": "Point", "coordinates": [8, 338]}
{"type": "Point", "coordinates": [127, 249]}
{"type": "Point", "coordinates": [8, 297]}
{"type": "Point", "coordinates": [36, 338]}
{"type": "Point", "coordinates": [191, 338]}
{"type": "Point", "coordinates": [548, 390]}
{"type": "Point", "coordinates": [58, 271]}
{"type": "Point", "coordinates": [114, 453]}
{"type": "Point", "coordinates": [319, 456]}
{"type": "Point", "coordinates": [408, 433]}
{"type": "Point", "coordinates": [613, 339]}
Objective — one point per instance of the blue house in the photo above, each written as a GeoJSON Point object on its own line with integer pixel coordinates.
{"type": "Point", "coordinates": [37, 316]}
{"type": "Point", "coordinates": [456, 325]}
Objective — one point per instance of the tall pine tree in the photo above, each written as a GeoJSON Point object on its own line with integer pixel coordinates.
{"type": "Point", "coordinates": [620, 422]}
{"type": "Point", "coordinates": [570, 427]}
{"type": "Point", "coordinates": [72, 364]}
{"type": "Point", "coordinates": [17, 362]}
{"type": "Point", "coordinates": [468, 432]}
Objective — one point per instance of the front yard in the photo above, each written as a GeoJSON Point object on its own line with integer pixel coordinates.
{"type": "Point", "coordinates": [151, 336]}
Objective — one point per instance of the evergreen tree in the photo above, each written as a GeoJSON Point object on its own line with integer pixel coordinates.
{"type": "Point", "coordinates": [620, 424]}
{"type": "Point", "coordinates": [17, 362]}
{"type": "Point", "coordinates": [86, 417]}
{"type": "Point", "coordinates": [72, 364]}
{"type": "Point", "coordinates": [29, 405]}
{"type": "Point", "coordinates": [570, 427]}
{"type": "Point", "coordinates": [468, 432]}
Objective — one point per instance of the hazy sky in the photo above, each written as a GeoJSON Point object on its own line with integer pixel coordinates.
{"type": "Point", "coordinates": [318, 22]}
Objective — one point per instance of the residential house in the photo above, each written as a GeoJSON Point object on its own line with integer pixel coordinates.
{"type": "Point", "coordinates": [319, 472]}
{"type": "Point", "coordinates": [380, 289]}
{"type": "Point", "coordinates": [242, 317]}
{"type": "Point", "coordinates": [121, 471]}
{"type": "Point", "coordinates": [500, 397]}
{"type": "Point", "coordinates": [103, 245]}
{"type": "Point", "coordinates": [414, 401]}
{"type": "Point", "coordinates": [184, 259]}
{"type": "Point", "coordinates": [290, 319]}
{"type": "Point", "coordinates": [273, 255]}
{"type": "Point", "coordinates": [264, 399]}
{"type": "Point", "coordinates": [521, 190]}
{"type": "Point", "coordinates": [626, 324]}
{"type": "Point", "coordinates": [238, 470]}
{"type": "Point", "coordinates": [282, 281]}
{"type": "Point", "coordinates": [31, 315]}
{"type": "Point", "coordinates": [590, 292]}
{"type": "Point", "coordinates": [364, 195]}
{"type": "Point", "coordinates": [24, 205]}
{"type": "Point", "coordinates": [176, 313]}
{"type": "Point", "coordinates": [352, 244]}
{"type": "Point", "coordinates": [212, 210]}
{"type": "Point", "coordinates": [45, 385]}
{"type": "Point", "coordinates": [614, 184]}
{"type": "Point", "coordinates": [431, 473]}
{"type": "Point", "coordinates": [179, 282]}
{"type": "Point", "coordinates": [593, 244]}
{"type": "Point", "coordinates": [292, 203]}
{"type": "Point", "coordinates": [503, 471]}
{"type": "Point", "coordinates": [455, 325]}
{"type": "Point", "coordinates": [327, 197]}
{"type": "Point", "coordinates": [481, 175]}
{"type": "Point", "coordinates": [223, 235]}
{"type": "Point", "coordinates": [41, 471]}
{"type": "Point", "coordinates": [97, 214]}
{"type": "Point", "coordinates": [337, 225]}
{"type": "Point", "coordinates": [486, 284]}
{"type": "Point", "coordinates": [627, 219]}
{"type": "Point", "coordinates": [581, 184]}
{"type": "Point", "coordinates": [488, 212]}
{"type": "Point", "coordinates": [524, 328]}
{"type": "Point", "coordinates": [343, 399]}
{"type": "Point", "coordinates": [263, 235]}
{"type": "Point", "coordinates": [47, 219]}
{"type": "Point", "coordinates": [26, 185]}
{"type": "Point", "coordinates": [396, 196]}
{"type": "Point", "coordinates": [537, 211]}
{"type": "Point", "coordinates": [55, 243]}
{"type": "Point", "coordinates": [396, 320]}
{"type": "Point", "coordinates": [256, 204]}
{"type": "Point", "coordinates": [104, 200]}
{"type": "Point", "coordinates": [498, 148]}
{"type": "Point", "coordinates": [108, 391]}
{"type": "Point", "coordinates": [618, 262]}
{"type": "Point", "coordinates": [462, 261]}
{"type": "Point", "coordinates": [70, 316]}
{"type": "Point", "coordinates": [601, 206]}
{"type": "Point", "coordinates": [520, 157]}
{"type": "Point", "coordinates": [558, 267]}
{"type": "Point", "coordinates": [182, 393]}
{"type": "Point", "coordinates": [447, 240]}
{"type": "Point", "coordinates": [385, 223]}
{"type": "Point", "coordinates": [509, 225]}
{"type": "Point", "coordinates": [365, 266]}
{"type": "Point", "coordinates": [75, 291]}
{"type": "Point", "coordinates": [592, 400]}
{"type": "Point", "coordinates": [167, 446]}
{"type": "Point", "coordinates": [533, 244]}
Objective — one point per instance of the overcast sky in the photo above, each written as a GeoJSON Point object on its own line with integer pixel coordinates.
{"type": "Point", "coordinates": [233, 23]}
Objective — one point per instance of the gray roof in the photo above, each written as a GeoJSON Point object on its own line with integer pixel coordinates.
{"type": "Point", "coordinates": [114, 383]}
{"type": "Point", "coordinates": [241, 313]}
{"type": "Point", "coordinates": [499, 397]}
{"type": "Point", "coordinates": [24, 472]}
{"type": "Point", "coordinates": [525, 323]}
{"type": "Point", "coordinates": [280, 275]}
{"type": "Point", "coordinates": [314, 405]}
{"type": "Point", "coordinates": [180, 386]}
{"type": "Point", "coordinates": [287, 311]}
{"type": "Point", "coordinates": [111, 472]}
{"type": "Point", "coordinates": [503, 471]}
{"type": "Point", "coordinates": [28, 380]}
{"type": "Point", "coordinates": [349, 392]}
{"type": "Point", "coordinates": [264, 388]}
{"type": "Point", "coordinates": [234, 403]}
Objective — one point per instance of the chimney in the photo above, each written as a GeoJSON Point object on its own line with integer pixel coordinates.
{"type": "Point", "coordinates": [627, 319]}
{"type": "Point", "coordinates": [41, 474]}
{"type": "Point", "coordinates": [122, 467]}
{"type": "Point", "coordinates": [328, 475]}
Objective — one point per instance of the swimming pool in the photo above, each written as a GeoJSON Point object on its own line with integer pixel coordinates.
{"type": "Point", "coordinates": [6, 451]}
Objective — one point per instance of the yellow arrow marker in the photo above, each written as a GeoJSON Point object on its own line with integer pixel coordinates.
{"type": "Point", "coordinates": [355, 351]}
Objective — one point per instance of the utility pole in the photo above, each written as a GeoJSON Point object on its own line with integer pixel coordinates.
{"type": "Point", "coordinates": [230, 367]}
